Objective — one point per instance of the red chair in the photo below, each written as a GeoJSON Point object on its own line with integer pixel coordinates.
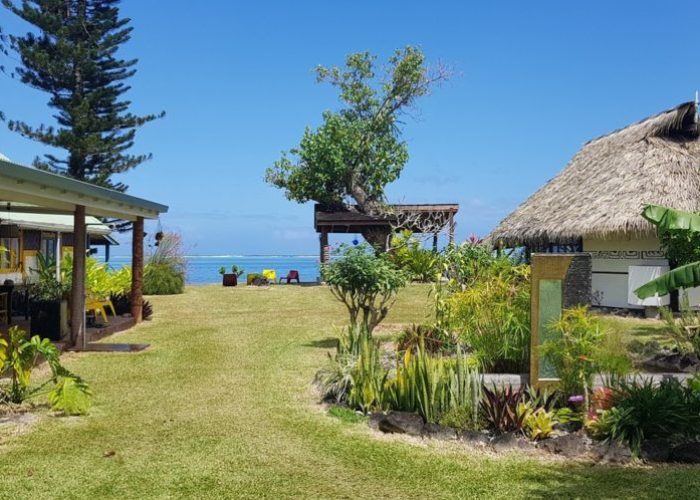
{"type": "Point", "coordinates": [291, 275]}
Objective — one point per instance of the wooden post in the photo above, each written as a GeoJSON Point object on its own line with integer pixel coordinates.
{"type": "Point", "coordinates": [325, 257]}
{"type": "Point", "coordinates": [58, 256]}
{"type": "Point", "coordinates": [77, 307]}
{"type": "Point", "coordinates": [452, 229]}
{"type": "Point", "coordinates": [137, 270]}
{"type": "Point", "coordinates": [435, 242]}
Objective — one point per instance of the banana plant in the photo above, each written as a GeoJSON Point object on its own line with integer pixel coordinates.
{"type": "Point", "coordinates": [69, 393]}
{"type": "Point", "coordinates": [687, 276]}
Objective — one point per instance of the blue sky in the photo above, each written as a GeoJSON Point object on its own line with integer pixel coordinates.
{"type": "Point", "coordinates": [533, 82]}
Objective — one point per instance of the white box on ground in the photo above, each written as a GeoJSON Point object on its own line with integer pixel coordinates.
{"type": "Point", "coordinates": [640, 275]}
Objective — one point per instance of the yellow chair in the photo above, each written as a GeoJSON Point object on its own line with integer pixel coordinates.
{"type": "Point", "coordinates": [270, 275]}
{"type": "Point", "coordinates": [100, 306]}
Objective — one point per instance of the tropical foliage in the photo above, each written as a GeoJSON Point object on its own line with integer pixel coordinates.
{"type": "Point", "coordinates": [357, 151]}
{"type": "Point", "coordinates": [407, 253]}
{"type": "Point", "coordinates": [48, 287]}
{"type": "Point", "coordinates": [338, 379]}
{"type": "Point", "coordinates": [431, 337]}
{"type": "Point", "coordinates": [678, 230]}
{"type": "Point", "coordinates": [643, 410]}
{"type": "Point", "coordinates": [433, 386]}
{"type": "Point", "coordinates": [684, 329]}
{"type": "Point", "coordinates": [502, 410]}
{"type": "Point", "coordinates": [71, 54]}
{"type": "Point", "coordinates": [164, 273]}
{"type": "Point", "coordinates": [436, 387]}
{"type": "Point", "coordinates": [468, 263]}
{"type": "Point", "coordinates": [492, 314]}
{"type": "Point", "coordinates": [67, 392]}
{"type": "Point", "coordinates": [101, 281]}
{"type": "Point", "coordinates": [365, 283]}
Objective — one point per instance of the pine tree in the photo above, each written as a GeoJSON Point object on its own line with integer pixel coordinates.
{"type": "Point", "coordinates": [73, 57]}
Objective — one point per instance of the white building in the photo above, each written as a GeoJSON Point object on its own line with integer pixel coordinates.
{"type": "Point", "coordinates": [594, 205]}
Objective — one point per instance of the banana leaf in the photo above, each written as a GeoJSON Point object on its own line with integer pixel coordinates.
{"type": "Point", "coordinates": [668, 219]}
{"type": "Point", "coordinates": [687, 276]}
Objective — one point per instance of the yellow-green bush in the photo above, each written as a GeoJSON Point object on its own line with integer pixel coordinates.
{"type": "Point", "coordinates": [492, 316]}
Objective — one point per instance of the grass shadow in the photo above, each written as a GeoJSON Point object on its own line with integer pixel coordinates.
{"type": "Point", "coordinates": [327, 343]}
{"type": "Point", "coordinates": [610, 481]}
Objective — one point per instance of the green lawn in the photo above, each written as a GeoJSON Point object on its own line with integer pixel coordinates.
{"type": "Point", "coordinates": [221, 406]}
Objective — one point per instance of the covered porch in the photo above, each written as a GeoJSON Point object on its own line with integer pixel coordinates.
{"type": "Point", "coordinates": [30, 191]}
{"type": "Point", "coordinates": [420, 219]}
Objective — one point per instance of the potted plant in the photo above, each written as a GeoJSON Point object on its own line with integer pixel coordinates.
{"type": "Point", "coordinates": [231, 279]}
{"type": "Point", "coordinates": [47, 304]}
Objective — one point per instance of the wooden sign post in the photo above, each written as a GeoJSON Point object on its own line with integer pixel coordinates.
{"type": "Point", "coordinates": [559, 281]}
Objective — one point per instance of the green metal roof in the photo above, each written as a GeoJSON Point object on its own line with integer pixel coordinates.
{"type": "Point", "coordinates": [47, 190]}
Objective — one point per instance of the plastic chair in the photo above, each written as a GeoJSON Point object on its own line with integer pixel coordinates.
{"type": "Point", "coordinates": [100, 306]}
{"type": "Point", "coordinates": [270, 275]}
{"type": "Point", "coordinates": [291, 275]}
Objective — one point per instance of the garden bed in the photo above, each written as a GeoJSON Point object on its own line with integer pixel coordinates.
{"type": "Point", "coordinates": [569, 445]}
{"type": "Point", "coordinates": [574, 445]}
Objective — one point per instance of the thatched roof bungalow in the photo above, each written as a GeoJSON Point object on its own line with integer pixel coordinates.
{"type": "Point", "coordinates": [594, 204]}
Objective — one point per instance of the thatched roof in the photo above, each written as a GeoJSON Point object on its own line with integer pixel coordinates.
{"type": "Point", "coordinates": [601, 192]}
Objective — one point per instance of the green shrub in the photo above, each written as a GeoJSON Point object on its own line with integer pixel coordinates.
{"type": "Point", "coordinates": [528, 410]}
{"type": "Point", "coordinates": [468, 263]}
{"type": "Point", "coordinates": [538, 423]}
{"type": "Point", "coordinates": [502, 409]}
{"type": "Point", "coordinates": [354, 375]}
{"type": "Point", "coordinates": [47, 287]}
{"type": "Point", "coordinates": [162, 279]}
{"type": "Point", "coordinates": [460, 418]}
{"type": "Point", "coordinates": [408, 254]}
{"type": "Point", "coordinates": [365, 282]}
{"type": "Point", "coordinates": [685, 330]}
{"type": "Point", "coordinates": [434, 339]}
{"type": "Point", "coordinates": [18, 357]}
{"type": "Point", "coordinates": [645, 410]}
{"type": "Point", "coordinates": [572, 354]}
{"type": "Point", "coordinates": [257, 279]}
{"type": "Point", "coordinates": [436, 387]}
{"type": "Point", "coordinates": [492, 316]}
{"type": "Point", "coordinates": [100, 280]}
{"type": "Point", "coordinates": [368, 377]}
{"type": "Point", "coordinates": [121, 281]}
{"type": "Point", "coordinates": [164, 273]}
{"type": "Point", "coordinates": [583, 349]}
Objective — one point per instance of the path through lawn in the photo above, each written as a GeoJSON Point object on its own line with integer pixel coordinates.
{"type": "Point", "coordinates": [221, 406]}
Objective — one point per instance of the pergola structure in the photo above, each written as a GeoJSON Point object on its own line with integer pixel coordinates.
{"type": "Point", "coordinates": [425, 219]}
{"type": "Point", "coordinates": [28, 190]}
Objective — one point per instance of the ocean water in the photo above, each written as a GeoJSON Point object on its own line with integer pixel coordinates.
{"type": "Point", "coordinates": [204, 269]}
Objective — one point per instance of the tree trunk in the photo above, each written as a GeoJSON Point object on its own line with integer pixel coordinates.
{"type": "Point", "coordinates": [378, 237]}
{"type": "Point", "coordinates": [77, 333]}
{"type": "Point", "coordinates": [137, 270]}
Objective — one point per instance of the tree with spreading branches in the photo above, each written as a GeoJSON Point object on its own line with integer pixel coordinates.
{"type": "Point", "coordinates": [72, 56]}
{"type": "Point", "coordinates": [351, 157]}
